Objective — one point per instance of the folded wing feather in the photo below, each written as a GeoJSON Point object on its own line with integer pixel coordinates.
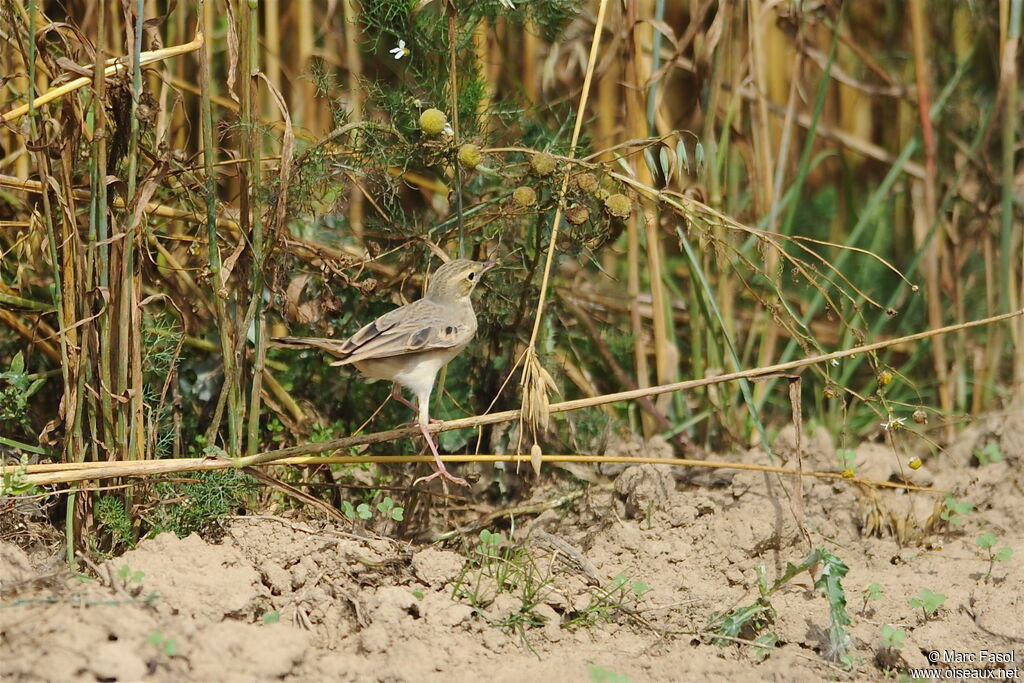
{"type": "Point", "coordinates": [395, 333]}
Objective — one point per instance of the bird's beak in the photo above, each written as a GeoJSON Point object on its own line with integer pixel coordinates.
{"type": "Point", "coordinates": [488, 265]}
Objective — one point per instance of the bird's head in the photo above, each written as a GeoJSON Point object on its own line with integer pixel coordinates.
{"type": "Point", "coordinates": [455, 280]}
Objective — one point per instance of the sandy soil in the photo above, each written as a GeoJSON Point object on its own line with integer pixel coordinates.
{"type": "Point", "coordinates": [300, 600]}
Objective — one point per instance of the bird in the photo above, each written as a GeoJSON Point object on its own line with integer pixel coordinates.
{"type": "Point", "coordinates": [409, 345]}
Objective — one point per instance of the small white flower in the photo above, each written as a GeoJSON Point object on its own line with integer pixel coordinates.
{"type": "Point", "coordinates": [509, 4]}
{"type": "Point", "coordinates": [400, 51]}
{"type": "Point", "coordinates": [448, 131]}
{"type": "Point", "coordinates": [893, 422]}
{"type": "Point", "coordinates": [834, 362]}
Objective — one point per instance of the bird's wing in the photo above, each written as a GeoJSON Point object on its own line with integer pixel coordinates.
{"type": "Point", "coordinates": [420, 326]}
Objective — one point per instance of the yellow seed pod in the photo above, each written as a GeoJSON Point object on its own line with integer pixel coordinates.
{"type": "Point", "coordinates": [543, 164]}
{"type": "Point", "coordinates": [849, 474]}
{"type": "Point", "coordinates": [618, 205]}
{"type": "Point", "coordinates": [885, 379]}
{"type": "Point", "coordinates": [524, 196]}
{"type": "Point", "coordinates": [433, 121]}
{"type": "Point", "coordinates": [469, 155]}
{"type": "Point", "coordinates": [915, 463]}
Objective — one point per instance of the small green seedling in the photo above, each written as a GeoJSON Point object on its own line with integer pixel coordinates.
{"type": "Point", "coordinates": [871, 592]}
{"type": "Point", "coordinates": [272, 617]}
{"type": "Point", "coordinates": [126, 573]}
{"type": "Point", "coordinates": [388, 508]}
{"type": "Point", "coordinates": [168, 646]}
{"type": "Point", "coordinates": [987, 542]}
{"type": "Point", "coordinates": [847, 460]}
{"type": "Point", "coordinates": [989, 454]}
{"type": "Point", "coordinates": [929, 601]}
{"type": "Point", "coordinates": [763, 645]}
{"type": "Point", "coordinates": [955, 511]}
{"type": "Point", "coordinates": [599, 674]}
{"type": "Point", "coordinates": [490, 542]}
{"type": "Point", "coordinates": [607, 601]}
{"type": "Point", "coordinates": [893, 637]}
{"type": "Point", "coordinates": [364, 511]}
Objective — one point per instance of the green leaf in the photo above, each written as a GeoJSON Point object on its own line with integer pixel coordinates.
{"type": "Point", "coordinates": [986, 540]}
{"type": "Point", "coordinates": [17, 364]}
{"type": "Point", "coordinates": [272, 617]}
{"type": "Point", "coordinates": [1004, 554]}
{"type": "Point", "coordinates": [893, 637]}
{"type": "Point", "coordinates": [766, 642]}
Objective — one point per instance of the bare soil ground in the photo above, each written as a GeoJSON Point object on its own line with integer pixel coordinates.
{"type": "Point", "coordinates": [292, 599]}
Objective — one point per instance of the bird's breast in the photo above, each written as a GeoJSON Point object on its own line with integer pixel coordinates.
{"type": "Point", "coordinates": [414, 371]}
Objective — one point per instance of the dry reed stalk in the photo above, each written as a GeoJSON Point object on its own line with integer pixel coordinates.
{"type": "Point", "coordinates": [149, 468]}
{"type": "Point", "coordinates": [536, 381]}
{"type": "Point", "coordinates": [638, 72]}
{"type": "Point", "coordinates": [354, 68]}
{"type": "Point", "coordinates": [271, 55]}
{"type": "Point", "coordinates": [925, 207]}
{"type": "Point", "coordinates": [1011, 17]}
{"type": "Point", "coordinates": [116, 68]}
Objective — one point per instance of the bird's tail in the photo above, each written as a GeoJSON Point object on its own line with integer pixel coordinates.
{"type": "Point", "coordinates": [331, 346]}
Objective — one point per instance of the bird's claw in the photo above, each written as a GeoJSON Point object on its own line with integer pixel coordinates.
{"type": "Point", "coordinates": [445, 475]}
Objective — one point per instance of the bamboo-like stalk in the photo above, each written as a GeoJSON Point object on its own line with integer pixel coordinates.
{"type": "Point", "coordinates": [224, 324]}
{"type": "Point", "coordinates": [532, 371]}
{"type": "Point", "coordinates": [1011, 119]}
{"type": "Point", "coordinates": [638, 72]}
{"type": "Point", "coordinates": [251, 206]}
{"type": "Point", "coordinates": [93, 470]}
{"type": "Point", "coordinates": [130, 319]}
{"type": "Point", "coordinates": [354, 68]}
{"type": "Point", "coordinates": [924, 209]}
{"type": "Point", "coordinates": [116, 67]}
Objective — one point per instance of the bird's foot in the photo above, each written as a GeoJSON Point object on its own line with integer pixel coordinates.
{"type": "Point", "coordinates": [430, 420]}
{"type": "Point", "coordinates": [444, 475]}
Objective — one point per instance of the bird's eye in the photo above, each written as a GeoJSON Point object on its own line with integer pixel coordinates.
{"type": "Point", "coordinates": [471, 276]}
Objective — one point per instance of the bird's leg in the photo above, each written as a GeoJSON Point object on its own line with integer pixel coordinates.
{"type": "Point", "coordinates": [442, 471]}
{"type": "Point", "coordinates": [396, 394]}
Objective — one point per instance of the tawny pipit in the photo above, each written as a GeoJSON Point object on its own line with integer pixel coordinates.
{"type": "Point", "coordinates": [410, 344]}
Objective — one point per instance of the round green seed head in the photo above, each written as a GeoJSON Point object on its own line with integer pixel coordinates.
{"type": "Point", "coordinates": [433, 121]}
{"type": "Point", "coordinates": [587, 182]}
{"type": "Point", "coordinates": [543, 164]}
{"type": "Point", "coordinates": [524, 196]}
{"type": "Point", "coordinates": [469, 155]}
{"type": "Point", "coordinates": [618, 205]}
